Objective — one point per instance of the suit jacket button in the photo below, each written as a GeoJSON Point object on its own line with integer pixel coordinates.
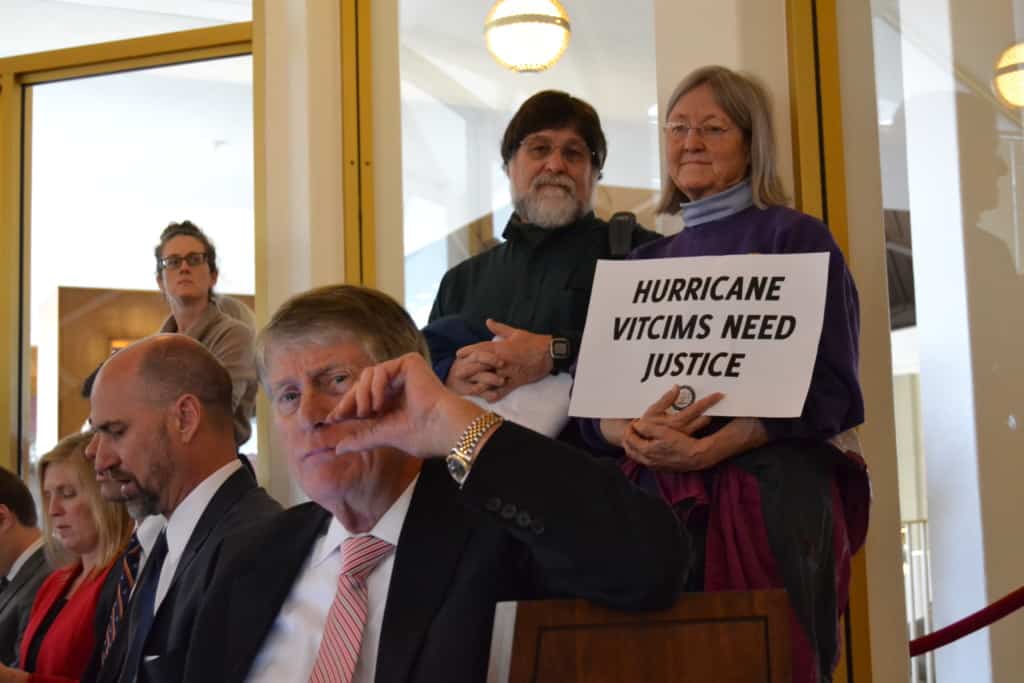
{"type": "Point", "coordinates": [508, 511]}
{"type": "Point", "coordinates": [523, 519]}
{"type": "Point", "coordinates": [537, 526]}
{"type": "Point", "coordinates": [493, 504]}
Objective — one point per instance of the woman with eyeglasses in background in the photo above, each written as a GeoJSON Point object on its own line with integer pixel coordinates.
{"type": "Point", "coordinates": [84, 536]}
{"type": "Point", "coordinates": [775, 503]}
{"type": "Point", "coordinates": [186, 271]}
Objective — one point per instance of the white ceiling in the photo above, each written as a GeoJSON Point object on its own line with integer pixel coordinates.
{"type": "Point", "coordinates": [610, 59]}
{"type": "Point", "coordinates": [443, 50]}
{"type": "Point", "coordinates": [36, 25]}
{"type": "Point", "coordinates": [443, 41]}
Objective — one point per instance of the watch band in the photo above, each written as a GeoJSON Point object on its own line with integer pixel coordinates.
{"type": "Point", "coordinates": [460, 457]}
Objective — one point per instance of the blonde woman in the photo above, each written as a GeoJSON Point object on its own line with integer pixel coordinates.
{"type": "Point", "coordinates": [87, 533]}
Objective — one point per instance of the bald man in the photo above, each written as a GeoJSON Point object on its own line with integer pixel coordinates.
{"type": "Point", "coordinates": [162, 413]}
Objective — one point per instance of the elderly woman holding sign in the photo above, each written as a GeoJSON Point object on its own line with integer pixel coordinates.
{"type": "Point", "coordinates": [777, 502]}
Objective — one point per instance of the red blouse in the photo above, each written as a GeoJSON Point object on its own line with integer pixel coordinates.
{"type": "Point", "coordinates": [68, 644]}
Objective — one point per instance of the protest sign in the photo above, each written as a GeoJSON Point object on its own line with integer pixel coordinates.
{"type": "Point", "coordinates": [746, 325]}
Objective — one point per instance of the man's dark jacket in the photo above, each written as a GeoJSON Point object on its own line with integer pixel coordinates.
{"type": "Point", "coordinates": [238, 503]}
{"type": "Point", "coordinates": [16, 604]}
{"type": "Point", "coordinates": [538, 279]}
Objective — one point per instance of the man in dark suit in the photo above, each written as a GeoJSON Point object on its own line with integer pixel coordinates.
{"type": "Point", "coordinates": [22, 563]}
{"type": "Point", "coordinates": [161, 409]}
{"type": "Point", "coordinates": [393, 572]}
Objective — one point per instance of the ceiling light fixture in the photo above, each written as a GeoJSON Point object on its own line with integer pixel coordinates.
{"type": "Point", "coordinates": [527, 35]}
{"type": "Point", "coordinates": [1009, 80]}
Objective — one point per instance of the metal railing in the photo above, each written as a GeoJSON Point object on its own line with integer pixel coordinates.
{"type": "Point", "coordinates": [917, 581]}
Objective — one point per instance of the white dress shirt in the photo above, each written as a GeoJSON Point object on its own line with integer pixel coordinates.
{"type": "Point", "coordinates": [147, 532]}
{"type": "Point", "coordinates": [23, 558]}
{"type": "Point", "coordinates": [290, 650]}
{"type": "Point", "coordinates": [183, 522]}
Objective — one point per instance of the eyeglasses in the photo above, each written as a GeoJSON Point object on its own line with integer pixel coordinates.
{"type": "Point", "coordinates": [539, 149]}
{"type": "Point", "coordinates": [173, 262]}
{"type": "Point", "coordinates": [681, 131]}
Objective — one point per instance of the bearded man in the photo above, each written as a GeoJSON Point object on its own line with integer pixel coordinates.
{"type": "Point", "coordinates": [532, 290]}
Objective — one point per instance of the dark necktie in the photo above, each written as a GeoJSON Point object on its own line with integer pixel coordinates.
{"type": "Point", "coordinates": [142, 607]}
{"type": "Point", "coordinates": [4, 583]}
{"type": "Point", "coordinates": [129, 566]}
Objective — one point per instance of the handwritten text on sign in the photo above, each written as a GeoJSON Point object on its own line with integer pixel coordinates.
{"type": "Point", "coordinates": [747, 326]}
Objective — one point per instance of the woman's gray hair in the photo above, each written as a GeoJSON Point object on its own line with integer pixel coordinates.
{"type": "Point", "coordinates": [746, 102]}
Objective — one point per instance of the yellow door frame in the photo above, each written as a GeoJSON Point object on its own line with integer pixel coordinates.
{"type": "Point", "coordinates": [820, 190]}
{"type": "Point", "coordinates": [16, 75]}
{"type": "Point", "coordinates": [357, 143]}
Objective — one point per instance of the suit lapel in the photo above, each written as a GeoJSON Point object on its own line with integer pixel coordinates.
{"type": "Point", "coordinates": [6, 596]}
{"type": "Point", "coordinates": [27, 571]}
{"type": "Point", "coordinates": [256, 596]}
{"type": "Point", "coordinates": [425, 564]}
{"type": "Point", "coordinates": [227, 496]}
{"type": "Point", "coordinates": [236, 486]}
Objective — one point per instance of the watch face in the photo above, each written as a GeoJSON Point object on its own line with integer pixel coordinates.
{"type": "Point", "coordinates": [684, 398]}
{"type": "Point", "coordinates": [560, 348]}
{"type": "Point", "coordinates": [457, 468]}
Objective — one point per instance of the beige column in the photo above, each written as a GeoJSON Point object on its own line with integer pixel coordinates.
{"type": "Point", "coordinates": [299, 236]}
{"type": "Point", "coordinates": [887, 613]}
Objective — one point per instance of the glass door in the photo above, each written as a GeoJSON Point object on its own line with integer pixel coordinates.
{"type": "Point", "coordinates": [456, 101]}
{"type": "Point", "coordinates": [114, 159]}
{"type": "Point", "coordinates": [950, 133]}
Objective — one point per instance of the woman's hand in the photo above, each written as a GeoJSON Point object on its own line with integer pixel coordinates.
{"type": "Point", "coordinates": [613, 429]}
{"type": "Point", "coordinates": [664, 441]}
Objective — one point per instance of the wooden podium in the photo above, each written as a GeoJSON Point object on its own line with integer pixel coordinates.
{"type": "Point", "coordinates": [740, 637]}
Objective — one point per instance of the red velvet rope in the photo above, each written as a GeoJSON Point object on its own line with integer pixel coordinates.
{"type": "Point", "coordinates": [969, 624]}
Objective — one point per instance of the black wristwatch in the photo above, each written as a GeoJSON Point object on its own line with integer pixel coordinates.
{"type": "Point", "coordinates": [561, 354]}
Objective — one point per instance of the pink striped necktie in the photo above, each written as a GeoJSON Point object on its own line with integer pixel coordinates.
{"type": "Point", "coordinates": [343, 632]}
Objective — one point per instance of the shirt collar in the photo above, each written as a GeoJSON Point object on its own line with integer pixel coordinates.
{"type": "Point", "coordinates": [23, 558]}
{"type": "Point", "coordinates": [185, 517]}
{"type": "Point", "coordinates": [147, 531]}
{"type": "Point", "coordinates": [534, 234]}
{"type": "Point", "coordinates": [388, 528]}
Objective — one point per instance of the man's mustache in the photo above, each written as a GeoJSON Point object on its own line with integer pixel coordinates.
{"type": "Point", "coordinates": [114, 476]}
{"type": "Point", "coordinates": [559, 179]}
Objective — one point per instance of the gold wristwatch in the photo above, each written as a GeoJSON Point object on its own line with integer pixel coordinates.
{"type": "Point", "coordinates": [460, 457]}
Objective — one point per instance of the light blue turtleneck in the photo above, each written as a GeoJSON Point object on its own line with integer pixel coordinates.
{"type": "Point", "coordinates": [718, 206]}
